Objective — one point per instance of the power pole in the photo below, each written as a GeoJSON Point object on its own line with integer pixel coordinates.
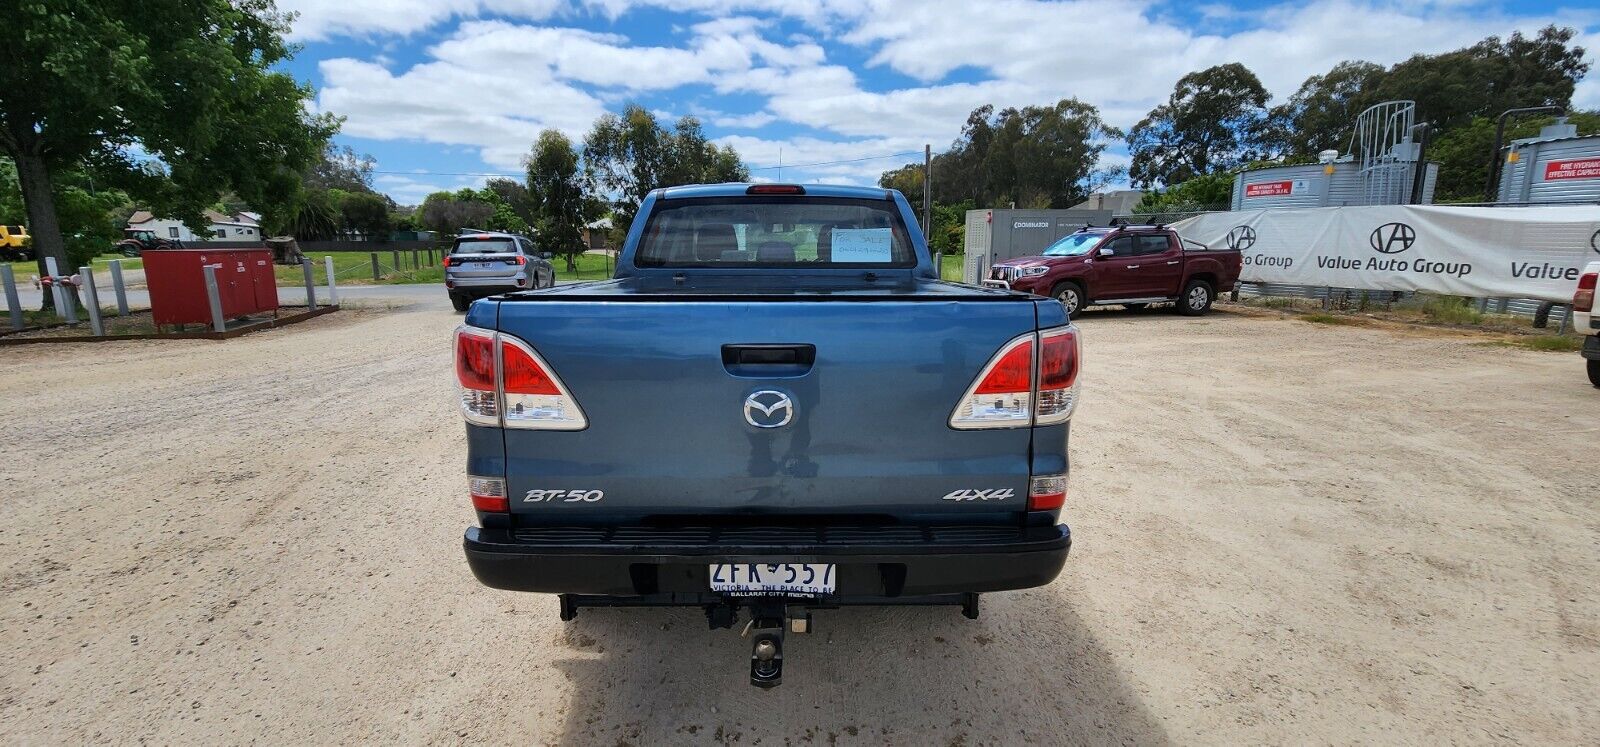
{"type": "Point", "coordinates": [927, 189]}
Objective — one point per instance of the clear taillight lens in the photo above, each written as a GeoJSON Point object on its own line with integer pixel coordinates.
{"type": "Point", "coordinates": [1583, 300]}
{"type": "Point", "coordinates": [1002, 396]}
{"type": "Point", "coordinates": [475, 371]}
{"type": "Point", "coordinates": [534, 397]}
{"type": "Point", "coordinates": [1060, 353]}
{"type": "Point", "coordinates": [488, 493]}
{"type": "Point", "coordinates": [1047, 492]}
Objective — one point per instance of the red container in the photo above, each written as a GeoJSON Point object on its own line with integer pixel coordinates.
{"type": "Point", "coordinates": [177, 283]}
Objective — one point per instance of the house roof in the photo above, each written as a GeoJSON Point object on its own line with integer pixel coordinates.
{"type": "Point", "coordinates": [140, 216]}
{"type": "Point", "coordinates": [221, 219]}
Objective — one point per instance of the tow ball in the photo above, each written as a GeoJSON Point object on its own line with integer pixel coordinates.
{"type": "Point", "coordinates": [765, 631]}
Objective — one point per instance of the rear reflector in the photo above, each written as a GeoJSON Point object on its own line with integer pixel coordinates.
{"type": "Point", "coordinates": [1047, 492]}
{"type": "Point", "coordinates": [1583, 300]}
{"type": "Point", "coordinates": [776, 189]}
{"type": "Point", "coordinates": [488, 494]}
{"type": "Point", "coordinates": [1002, 397]}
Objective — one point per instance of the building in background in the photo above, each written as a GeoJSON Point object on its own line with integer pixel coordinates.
{"type": "Point", "coordinates": [241, 226]}
{"type": "Point", "coordinates": [1118, 201]}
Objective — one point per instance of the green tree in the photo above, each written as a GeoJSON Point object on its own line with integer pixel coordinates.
{"type": "Point", "coordinates": [1037, 156]}
{"type": "Point", "coordinates": [1212, 191]}
{"type": "Point", "coordinates": [312, 216]}
{"type": "Point", "coordinates": [907, 180]}
{"type": "Point", "coordinates": [630, 154]}
{"type": "Point", "coordinates": [195, 84]}
{"type": "Point", "coordinates": [1488, 77]}
{"type": "Point", "coordinates": [1322, 114]}
{"type": "Point", "coordinates": [1464, 153]}
{"type": "Point", "coordinates": [366, 213]}
{"type": "Point", "coordinates": [448, 212]}
{"type": "Point", "coordinates": [1214, 120]}
{"type": "Point", "coordinates": [558, 189]}
{"type": "Point", "coordinates": [340, 167]}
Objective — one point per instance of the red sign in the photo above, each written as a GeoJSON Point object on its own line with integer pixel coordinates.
{"type": "Point", "coordinates": [1583, 168]}
{"type": "Point", "coordinates": [1269, 189]}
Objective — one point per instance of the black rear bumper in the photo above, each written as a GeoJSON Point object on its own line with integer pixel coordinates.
{"type": "Point", "coordinates": [883, 562]}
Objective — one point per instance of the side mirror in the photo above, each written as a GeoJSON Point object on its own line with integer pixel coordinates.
{"type": "Point", "coordinates": [1105, 251]}
{"type": "Point", "coordinates": [546, 255]}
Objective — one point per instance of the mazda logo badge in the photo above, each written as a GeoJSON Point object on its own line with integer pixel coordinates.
{"type": "Point", "coordinates": [1392, 238]}
{"type": "Point", "coordinates": [768, 409]}
{"type": "Point", "coordinates": [1241, 238]}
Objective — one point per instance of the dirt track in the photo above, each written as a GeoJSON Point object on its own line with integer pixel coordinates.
{"type": "Point", "coordinates": [1283, 532]}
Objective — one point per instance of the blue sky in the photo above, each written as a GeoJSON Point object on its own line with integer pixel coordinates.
{"type": "Point", "coordinates": [444, 92]}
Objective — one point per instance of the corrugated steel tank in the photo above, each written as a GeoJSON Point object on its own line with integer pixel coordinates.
{"type": "Point", "coordinates": [1314, 185]}
{"type": "Point", "coordinates": [1557, 166]}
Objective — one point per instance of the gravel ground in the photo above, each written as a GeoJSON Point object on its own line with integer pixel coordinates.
{"type": "Point", "coordinates": [1284, 533]}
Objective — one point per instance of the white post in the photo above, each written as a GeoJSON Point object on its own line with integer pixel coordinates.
{"type": "Point", "coordinates": [91, 301]}
{"type": "Point", "coordinates": [52, 270]}
{"type": "Point", "coordinates": [333, 289]}
{"type": "Point", "coordinates": [116, 283]}
{"type": "Point", "coordinates": [217, 322]}
{"type": "Point", "coordinates": [13, 303]}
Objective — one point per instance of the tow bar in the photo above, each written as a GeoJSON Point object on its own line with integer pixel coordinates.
{"type": "Point", "coordinates": [770, 619]}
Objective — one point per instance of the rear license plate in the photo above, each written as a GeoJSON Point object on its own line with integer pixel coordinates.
{"type": "Point", "coordinates": [773, 578]}
{"type": "Point", "coordinates": [482, 265]}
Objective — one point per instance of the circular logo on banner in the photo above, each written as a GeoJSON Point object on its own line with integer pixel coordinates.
{"type": "Point", "coordinates": [1392, 238]}
{"type": "Point", "coordinates": [1241, 238]}
{"type": "Point", "coordinates": [1594, 242]}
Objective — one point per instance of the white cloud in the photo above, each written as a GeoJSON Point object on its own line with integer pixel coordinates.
{"type": "Point", "coordinates": [407, 189]}
{"type": "Point", "coordinates": [492, 84]}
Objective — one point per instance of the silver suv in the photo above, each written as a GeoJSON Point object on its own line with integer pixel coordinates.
{"type": "Point", "coordinates": [485, 263]}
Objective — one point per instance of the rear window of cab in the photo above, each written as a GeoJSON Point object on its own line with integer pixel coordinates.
{"type": "Point", "coordinates": [487, 245]}
{"type": "Point", "coordinates": [775, 231]}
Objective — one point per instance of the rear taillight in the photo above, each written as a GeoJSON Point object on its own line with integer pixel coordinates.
{"type": "Point", "coordinates": [1018, 389]}
{"type": "Point", "coordinates": [488, 493]}
{"type": "Point", "coordinates": [534, 397]}
{"type": "Point", "coordinates": [1047, 492]}
{"type": "Point", "coordinates": [505, 383]}
{"type": "Point", "coordinates": [445, 262]}
{"type": "Point", "coordinates": [475, 371]}
{"type": "Point", "coordinates": [1059, 353]}
{"type": "Point", "coordinates": [1583, 300]}
{"type": "Point", "coordinates": [521, 260]}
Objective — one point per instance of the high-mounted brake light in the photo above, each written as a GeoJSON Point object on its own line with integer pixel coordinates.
{"type": "Point", "coordinates": [1583, 300]}
{"type": "Point", "coordinates": [505, 383]}
{"type": "Point", "coordinates": [776, 189]}
{"type": "Point", "coordinates": [1019, 389]}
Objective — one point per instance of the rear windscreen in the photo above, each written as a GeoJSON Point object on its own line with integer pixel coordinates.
{"type": "Point", "coordinates": [485, 246]}
{"type": "Point", "coordinates": [775, 231]}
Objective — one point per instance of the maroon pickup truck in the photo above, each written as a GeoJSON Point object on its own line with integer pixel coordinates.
{"type": "Point", "coordinates": [1133, 266]}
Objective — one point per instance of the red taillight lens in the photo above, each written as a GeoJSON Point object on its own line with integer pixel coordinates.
{"type": "Point", "coordinates": [1002, 397]}
{"type": "Point", "coordinates": [1012, 373]}
{"type": "Point", "coordinates": [521, 260]}
{"type": "Point", "coordinates": [445, 262]}
{"type": "Point", "coordinates": [1060, 352]}
{"type": "Point", "coordinates": [1583, 300]}
{"type": "Point", "coordinates": [524, 375]}
{"type": "Point", "coordinates": [475, 359]}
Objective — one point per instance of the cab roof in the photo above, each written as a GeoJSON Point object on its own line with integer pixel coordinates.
{"type": "Point", "coordinates": [733, 189]}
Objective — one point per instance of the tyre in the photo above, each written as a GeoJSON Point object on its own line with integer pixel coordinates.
{"type": "Point", "coordinates": [1070, 295]}
{"type": "Point", "coordinates": [1134, 306]}
{"type": "Point", "coordinates": [1594, 373]}
{"type": "Point", "coordinates": [460, 302]}
{"type": "Point", "coordinates": [1196, 298]}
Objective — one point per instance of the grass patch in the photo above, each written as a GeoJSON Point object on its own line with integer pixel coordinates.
{"type": "Point", "coordinates": [1446, 309]}
{"type": "Point", "coordinates": [1320, 318]}
{"type": "Point", "coordinates": [1546, 343]}
{"type": "Point", "coordinates": [102, 273]}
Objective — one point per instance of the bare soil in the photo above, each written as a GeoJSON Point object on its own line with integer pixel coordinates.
{"type": "Point", "coordinates": [1284, 532]}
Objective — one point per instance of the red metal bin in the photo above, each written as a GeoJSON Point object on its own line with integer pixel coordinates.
{"type": "Point", "coordinates": [245, 284]}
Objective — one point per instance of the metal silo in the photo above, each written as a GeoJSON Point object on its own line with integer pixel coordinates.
{"type": "Point", "coordinates": [1557, 166]}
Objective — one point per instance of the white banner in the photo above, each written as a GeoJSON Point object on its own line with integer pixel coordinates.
{"type": "Point", "coordinates": [1521, 252]}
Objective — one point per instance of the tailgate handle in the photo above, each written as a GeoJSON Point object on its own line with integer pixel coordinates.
{"type": "Point", "coordinates": [769, 355]}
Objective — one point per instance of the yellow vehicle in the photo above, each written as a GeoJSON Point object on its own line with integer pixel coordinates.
{"type": "Point", "coordinates": [14, 243]}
